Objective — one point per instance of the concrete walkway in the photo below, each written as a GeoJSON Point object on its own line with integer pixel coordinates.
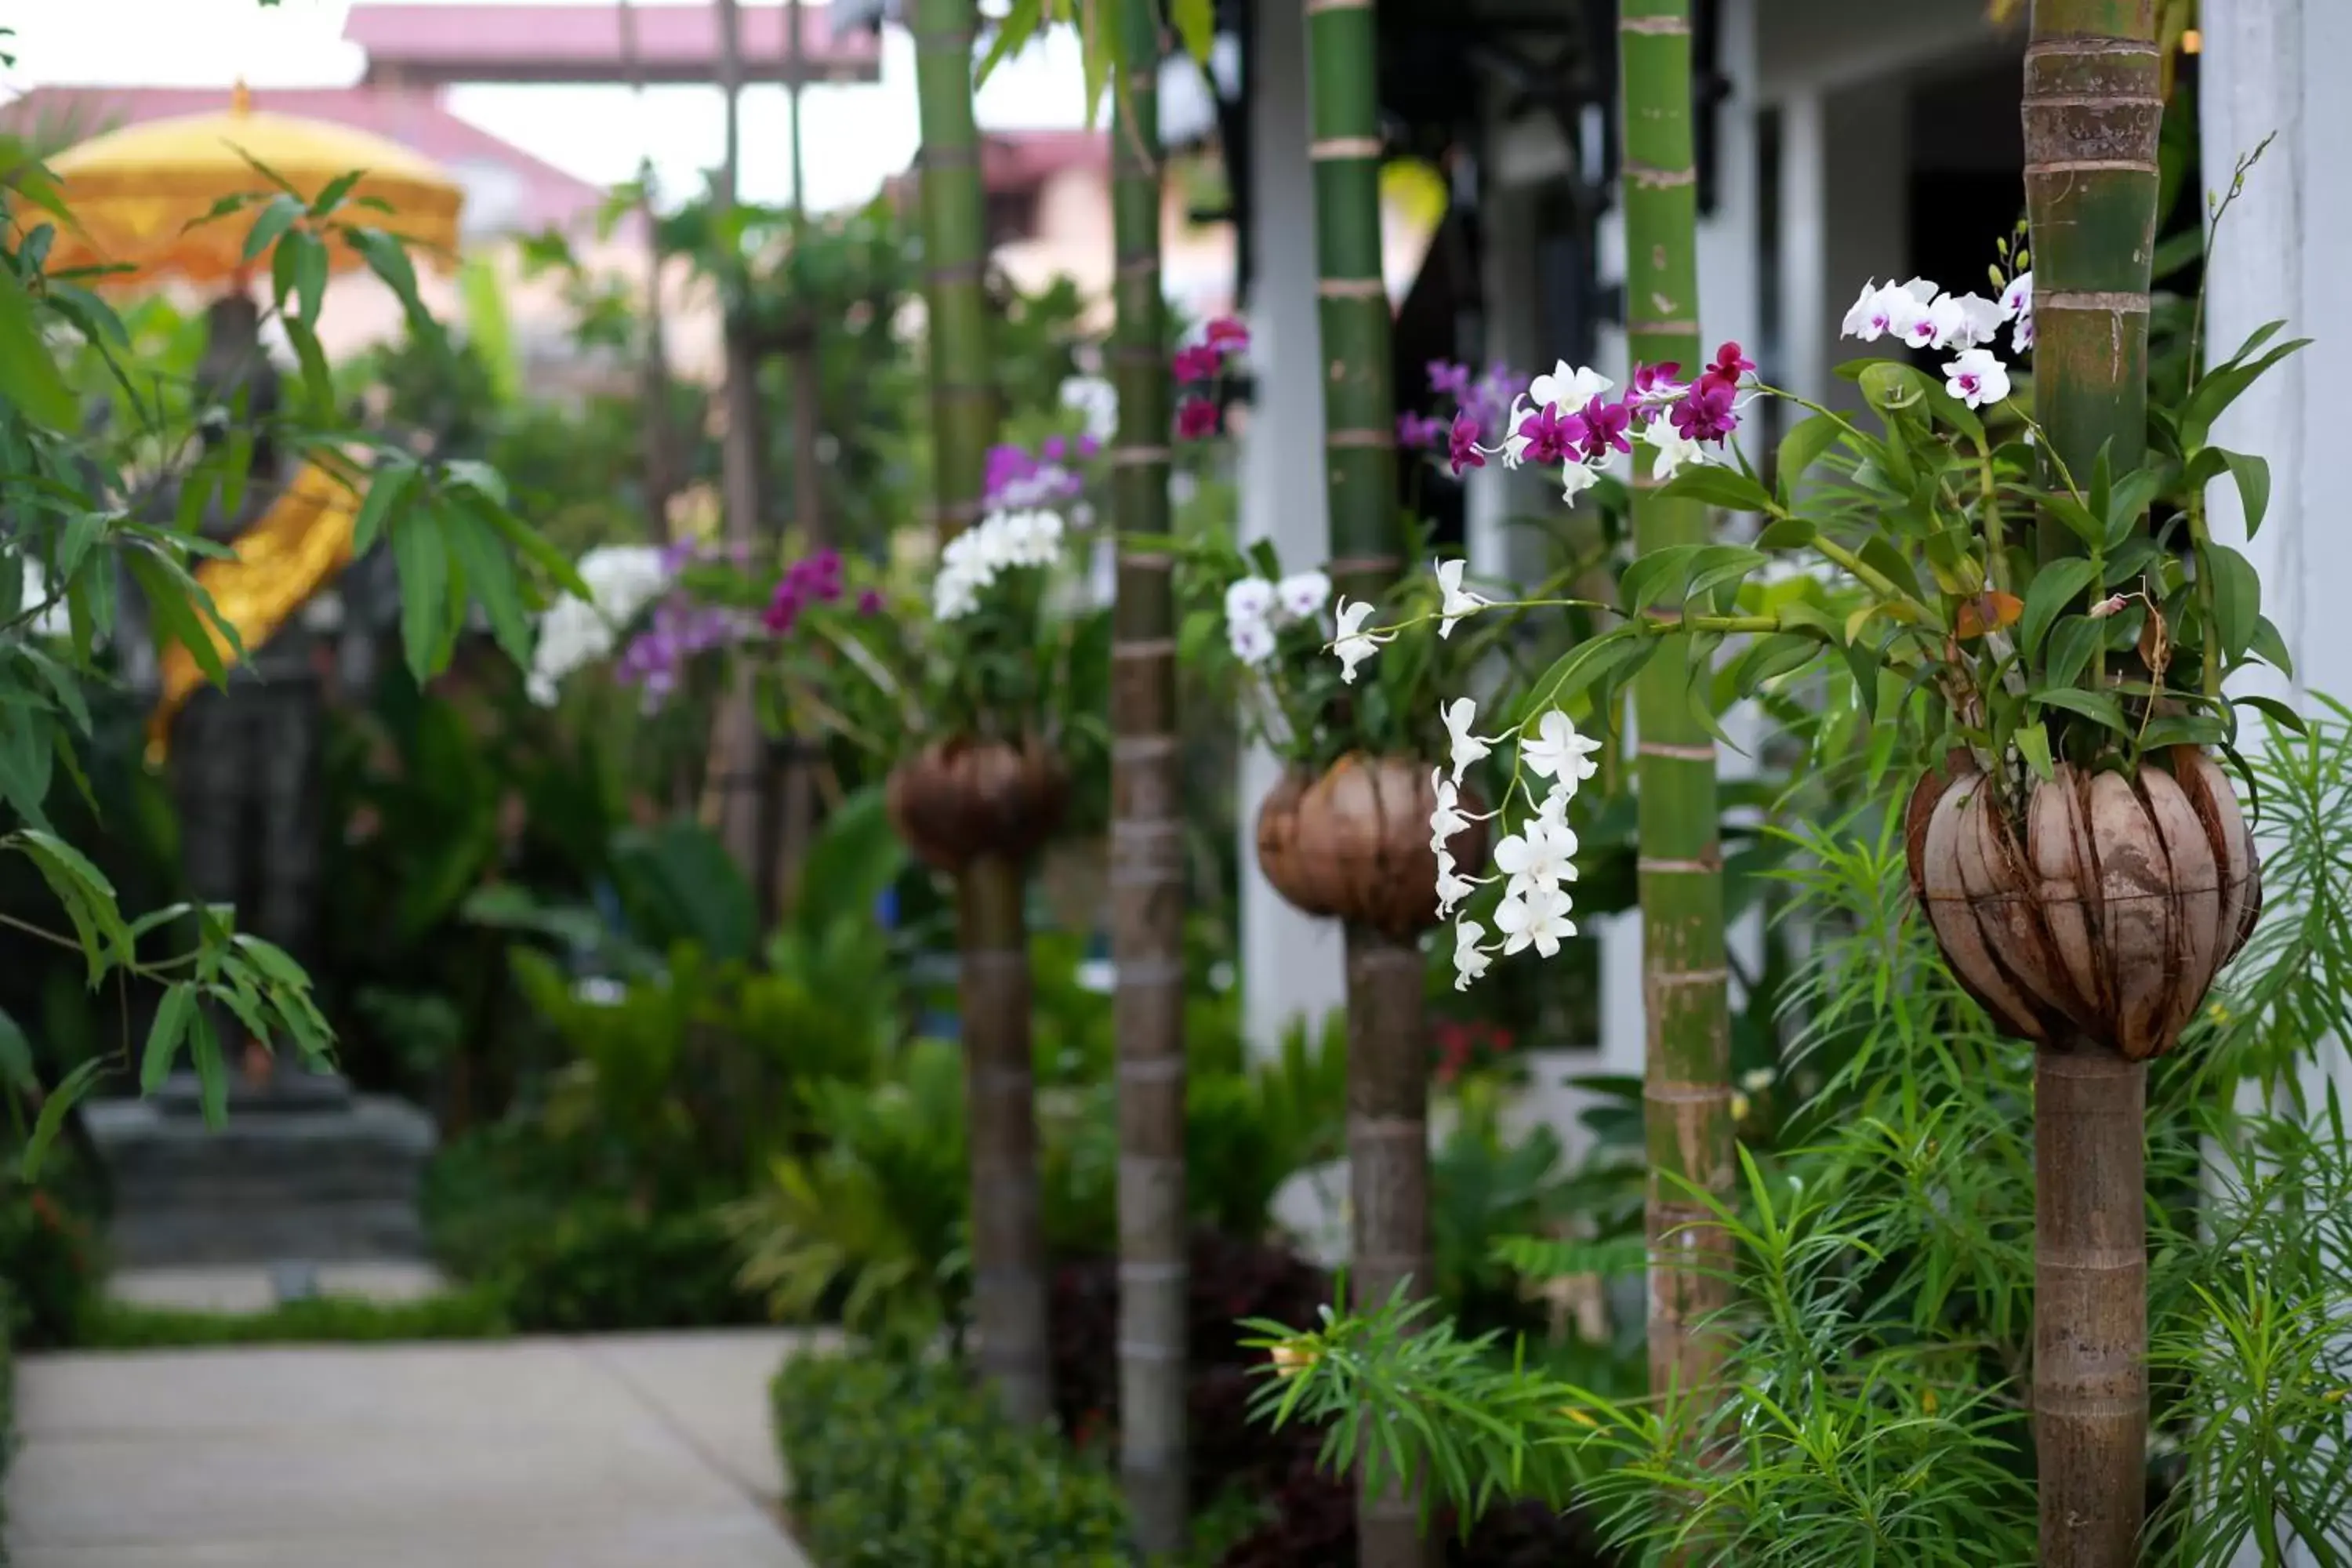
{"type": "Point", "coordinates": [608, 1452]}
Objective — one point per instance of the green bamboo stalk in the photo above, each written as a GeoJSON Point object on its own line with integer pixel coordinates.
{"type": "Point", "coordinates": [1686, 1070]}
{"type": "Point", "coordinates": [1388, 1078]}
{"type": "Point", "coordinates": [1008, 1249]}
{"type": "Point", "coordinates": [1147, 827]}
{"type": "Point", "coordinates": [737, 750]}
{"type": "Point", "coordinates": [955, 253]}
{"type": "Point", "coordinates": [2094, 104]}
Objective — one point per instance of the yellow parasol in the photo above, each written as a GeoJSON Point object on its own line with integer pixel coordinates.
{"type": "Point", "coordinates": [136, 194]}
{"type": "Point", "coordinates": [135, 191]}
{"type": "Point", "coordinates": [299, 544]}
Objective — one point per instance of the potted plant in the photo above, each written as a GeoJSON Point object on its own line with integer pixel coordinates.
{"type": "Point", "coordinates": [2053, 632]}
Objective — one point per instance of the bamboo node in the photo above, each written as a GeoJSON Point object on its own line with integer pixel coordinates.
{"type": "Point", "coordinates": [1150, 1069]}
{"type": "Point", "coordinates": [2044, 47]}
{"type": "Point", "coordinates": [1655, 27]}
{"type": "Point", "coordinates": [1351, 289]}
{"type": "Point", "coordinates": [2035, 169]}
{"type": "Point", "coordinates": [1665, 977]}
{"type": "Point", "coordinates": [2119, 302]}
{"type": "Point", "coordinates": [1138, 456]}
{"type": "Point", "coordinates": [1657, 866]}
{"type": "Point", "coordinates": [1649, 177]}
{"type": "Point", "coordinates": [1382, 1129]}
{"type": "Point", "coordinates": [1705, 753]}
{"type": "Point", "coordinates": [1687, 1094]}
{"type": "Point", "coordinates": [1144, 647]}
{"type": "Point", "coordinates": [1359, 439]}
{"type": "Point", "coordinates": [1334, 149]}
{"type": "Point", "coordinates": [1136, 1350]}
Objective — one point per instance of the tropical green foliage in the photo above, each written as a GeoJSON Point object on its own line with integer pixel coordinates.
{"type": "Point", "coordinates": [101, 508]}
{"type": "Point", "coordinates": [904, 1464]}
{"type": "Point", "coordinates": [1882, 1311]}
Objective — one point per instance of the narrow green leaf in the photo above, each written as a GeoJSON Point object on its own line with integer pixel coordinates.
{"type": "Point", "coordinates": [275, 220]}
{"type": "Point", "coordinates": [420, 554]}
{"type": "Point", "coordinates": [1196, 24]}
{"type": "Point", "coordinates": [2237, 598]}
{"type": "Point", "coordinates": [212, 1072]}
{"type": "Point", "coordinates": [387, 259]}
{"type": "Point", "coordinates": [70, 1092]}
{"type": "Point", "coordinates": [2276, 712]}
{"type": "Point", "coordinates": [163, 1036]}
{"type": "Point", "coordinates": [1581, 665]}
{"type": "Point", "coordinates": [2033, 745]}
{"type": "Point", "coordinates": [318, 383]}
{"type": "Point", "coordinates": [83, 530]}
{"type": "Point", "coordinates": [1718, 485]}
{"type": "Point", "coordinates": [2271, 647]}
{"type": "Point", "coordinates": [1786, 534]}
{"type": "Point", "coordinates": [387, 483]}
{"type": "Point", "coordinates": [1802, 447]}
{"type": "Point", "coordinates": [15, 1056]}
{"type": "Point", "coordinates": [273, 961]}
{"type": "Point", "coordinates": [30, 377]}
{"type": "Point", "coordinates": [2097, 705]}
{"type": "Point", "coordinates": [2055, 589]}
{"type": "Point", "coordinates": [2253, 476]}
{"type": "Point", "coordinates": [331, 195]}
{"type": "Point", "coordinates": [490, 578]}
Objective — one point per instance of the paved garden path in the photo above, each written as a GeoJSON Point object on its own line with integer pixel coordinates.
{"type": "Point", "coordinates": [608, 1452]}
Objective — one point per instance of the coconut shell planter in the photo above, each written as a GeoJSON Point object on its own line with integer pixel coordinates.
{"type": "Point", "coordinates": [2104, 916]}
{"type": "Point", "coordinates": [959, 798]}
{"type": "Point", "coordinates": [1354, 843]}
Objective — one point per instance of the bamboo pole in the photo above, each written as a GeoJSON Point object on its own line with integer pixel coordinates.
{"type": "Point", "coordinates": [653, 369]}
{"type": "Point", "coordinates": [1147, 834]}
{"type": "Point", "coordinates": [2092, 106]}
{"type": "Point", "coordinates": [1686, 1067]}
{"type": "Point", "coordinates": [792, 776]}
{"type": "Point", "coordinates": [736, 776]}
{"type": "Point", "coordinates": [1008, 1248]}
{"type": "Point", "coordinates": [1388, 1078]}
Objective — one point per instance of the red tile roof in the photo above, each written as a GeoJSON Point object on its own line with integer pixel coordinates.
{"type": "Point", "coordinates": [492, 43]}
{"type": "Point", "coordinates": [1024, 160]}
{"type": "Point", "coordinates": [541, 194]}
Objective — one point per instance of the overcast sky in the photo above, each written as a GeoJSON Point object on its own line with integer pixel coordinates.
{"type": "Point", "coordinates": [857, 135]}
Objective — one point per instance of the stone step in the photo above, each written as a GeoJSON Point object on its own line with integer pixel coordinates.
{"type": "Point", "coordinates": [184, 1236]}
{"type": "Point", "coordinates": [333, 1179]}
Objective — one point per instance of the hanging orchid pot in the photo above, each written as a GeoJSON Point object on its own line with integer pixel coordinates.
{"type": "Point", "coordinates": [2108, 918]}
{"type": "Point", "coordinates": [1355, 843]}
{"type": "Point", "coordinates": [962, 798]}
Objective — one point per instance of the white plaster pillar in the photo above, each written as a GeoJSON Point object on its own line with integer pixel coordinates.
{"type": "Point", "coordinates": [1291, 966]}
{"type": "Point", "coordinates": [1804, 231]}
{"type": "Point", "coordinates": [2268, 70]}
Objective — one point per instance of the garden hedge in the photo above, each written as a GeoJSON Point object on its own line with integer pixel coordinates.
{"type": "Point", "coordinates": [900, 1466]}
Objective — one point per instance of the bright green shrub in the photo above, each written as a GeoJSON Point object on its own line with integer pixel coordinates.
{"type": "Point", "coordinates": [902, 1465]}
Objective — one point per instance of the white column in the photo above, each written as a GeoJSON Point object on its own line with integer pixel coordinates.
{"type": "Point", "coordinates": [1729, 294]}
{"type": "Point", "coordinates": [2277, 255]}
{"type": "Point", "coordinates": [1804, 228]}
{"type": "Point", "coordinates": [1291, 966]}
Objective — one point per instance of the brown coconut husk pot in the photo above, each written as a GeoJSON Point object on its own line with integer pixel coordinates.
{"type": "Point", "coordinates": [963, 797]}
{"type": "Point", "coordinates": [1354, 843]}
{"type": "Point", "coordinates": [2107, 918]}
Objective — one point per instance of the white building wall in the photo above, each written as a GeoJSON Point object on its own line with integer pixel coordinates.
{"type": "Point", "coordinates": [1292, 966]}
